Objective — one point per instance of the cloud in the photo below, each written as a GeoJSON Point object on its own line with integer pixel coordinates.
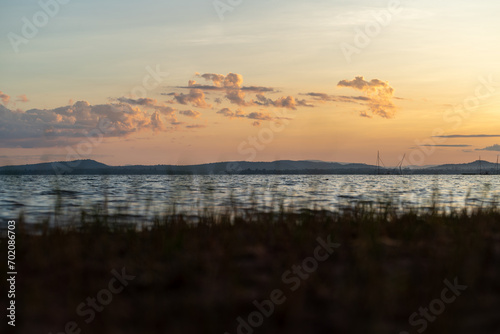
{"type": "Point", "coordinates": [232, 85]}
{"type": "Point", "coordinates": [156, 122]}
{"type": "Point", "coordinates": [69, 124]}
{"type": "Point", "coordinates": [467, 136]}
{"type": "Point", "coordinates": [166, 110]}
{"type": "Point", "coordinates": [140, 102]}
{"type": "Point", "coordinates": [258, 89]}
{"type": "Point", "coordinates": [260, 116]}
{"type": "Point", "coordinates": [364, 114]}
{"type": "Point", "coordinates": [148, 103]}
{"type": "Point", "coordinates": [231, 114]}
{"type": "Point", "coordinates": [195, 97]}
{"type": "Point", "coordinates": [250, 89]}
{"type": "Point", "coordinates": [22, 98]}
{"type": "Point", "coordinates": [217, 79]}
{"type": "Point", "coordinates": [304, 103]}
{"type": "Point", "coordinates": [232, 80]}
{"type": "Point", "coordinates": [190, 113]}
{"type": "Point", "coordinates": [282, 102]}
{"type": "Point", "coordinates": [173, 121]}
{"type": "Point", "coordinates": [229, 89]}
{"type": "Point", "coordinates": [196, 126]}
{"type": "Point", "coordinates": [229, 81]}
{"type": "Point", "coordinates": [459, 145]}
{"type": "Point", "coordinates": [322, 97]}
{"type": "Point", "coordinates": [257, 116]}
{"type": "Point", "coordinates": [4, 97]}
{"type": "Point", "coordinates": [193, 84]}
{"type": "Point", "coordinates": [495, 148]}
{"type": "Point", "coordinates": [237, 97]}
{"type": "Point", "coordinates": [286, 102]}
{"type": "Point", "coordinates": [379, 95]}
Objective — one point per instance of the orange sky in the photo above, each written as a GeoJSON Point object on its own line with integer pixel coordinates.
{"type": "Point", "coordinates": [333, 82]}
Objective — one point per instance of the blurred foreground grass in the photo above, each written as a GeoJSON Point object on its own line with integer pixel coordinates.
{"type": "Point", "coordinates": [198, 274]}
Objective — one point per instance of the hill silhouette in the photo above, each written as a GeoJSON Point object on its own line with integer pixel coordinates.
{"type": "Point", "coordinates": [92, 167]}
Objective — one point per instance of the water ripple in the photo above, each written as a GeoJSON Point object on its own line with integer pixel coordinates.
{"type": "Point", "coordinates": [147, 195]}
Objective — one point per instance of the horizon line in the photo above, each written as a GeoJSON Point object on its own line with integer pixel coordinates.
{"type": "Point", "coordinates": [244, 161]}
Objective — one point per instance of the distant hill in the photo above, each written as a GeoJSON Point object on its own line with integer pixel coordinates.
{"type": "Point", "coordinates": [475, 167]}
{"type": "Point", "coordinates": [53, 167]}
{"type": "Point", "coordinates": [91, 167]}
{"type": "Point", "coordinates": [82, 167]}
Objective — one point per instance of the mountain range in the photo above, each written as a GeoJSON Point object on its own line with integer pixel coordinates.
{"type": "Point", "coordinates": [92, 167]}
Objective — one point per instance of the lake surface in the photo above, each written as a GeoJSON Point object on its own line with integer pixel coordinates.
{"type": "Point", "coordinates": [142, 196]}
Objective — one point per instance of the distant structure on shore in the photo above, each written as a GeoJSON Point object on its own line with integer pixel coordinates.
{"type": "Point", "coordinates": [388, 171]}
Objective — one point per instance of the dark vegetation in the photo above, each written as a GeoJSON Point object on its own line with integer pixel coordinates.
{"type": "Point", "coordinates": [199, 273]}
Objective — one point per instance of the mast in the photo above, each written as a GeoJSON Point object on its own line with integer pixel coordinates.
{"type": "Point", "coordinates": [401, 164]}
{"type": "Point", "coordinates": [378, 162]}
{"type": "Point", "coordinates": [497, 164]}
{"type": "Point", "coordinates": [480, 166]}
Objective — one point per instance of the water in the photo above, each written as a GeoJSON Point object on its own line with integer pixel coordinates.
{"type": "Point", "coordinates": [142, 196]}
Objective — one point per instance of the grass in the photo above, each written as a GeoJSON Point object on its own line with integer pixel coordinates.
{"type": "Point", "coordinates": [199, 275]}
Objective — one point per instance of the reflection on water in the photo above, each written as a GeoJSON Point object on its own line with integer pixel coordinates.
{"type": "Point", "coordinates": [144, 195]}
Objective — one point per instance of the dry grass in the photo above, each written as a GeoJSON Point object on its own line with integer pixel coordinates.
{"type": "Point", "coordinates": [199, 277]}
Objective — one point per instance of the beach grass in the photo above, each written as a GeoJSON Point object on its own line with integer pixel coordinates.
{"type": "Point", "coordinates": [200, 273]}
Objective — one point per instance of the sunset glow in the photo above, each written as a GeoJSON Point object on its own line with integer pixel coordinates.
{"type": "Point", "coordinates": [184, 82]}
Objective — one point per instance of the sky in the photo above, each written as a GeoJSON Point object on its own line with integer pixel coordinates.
{"type": "Point", "coordinates": [199, 81]}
